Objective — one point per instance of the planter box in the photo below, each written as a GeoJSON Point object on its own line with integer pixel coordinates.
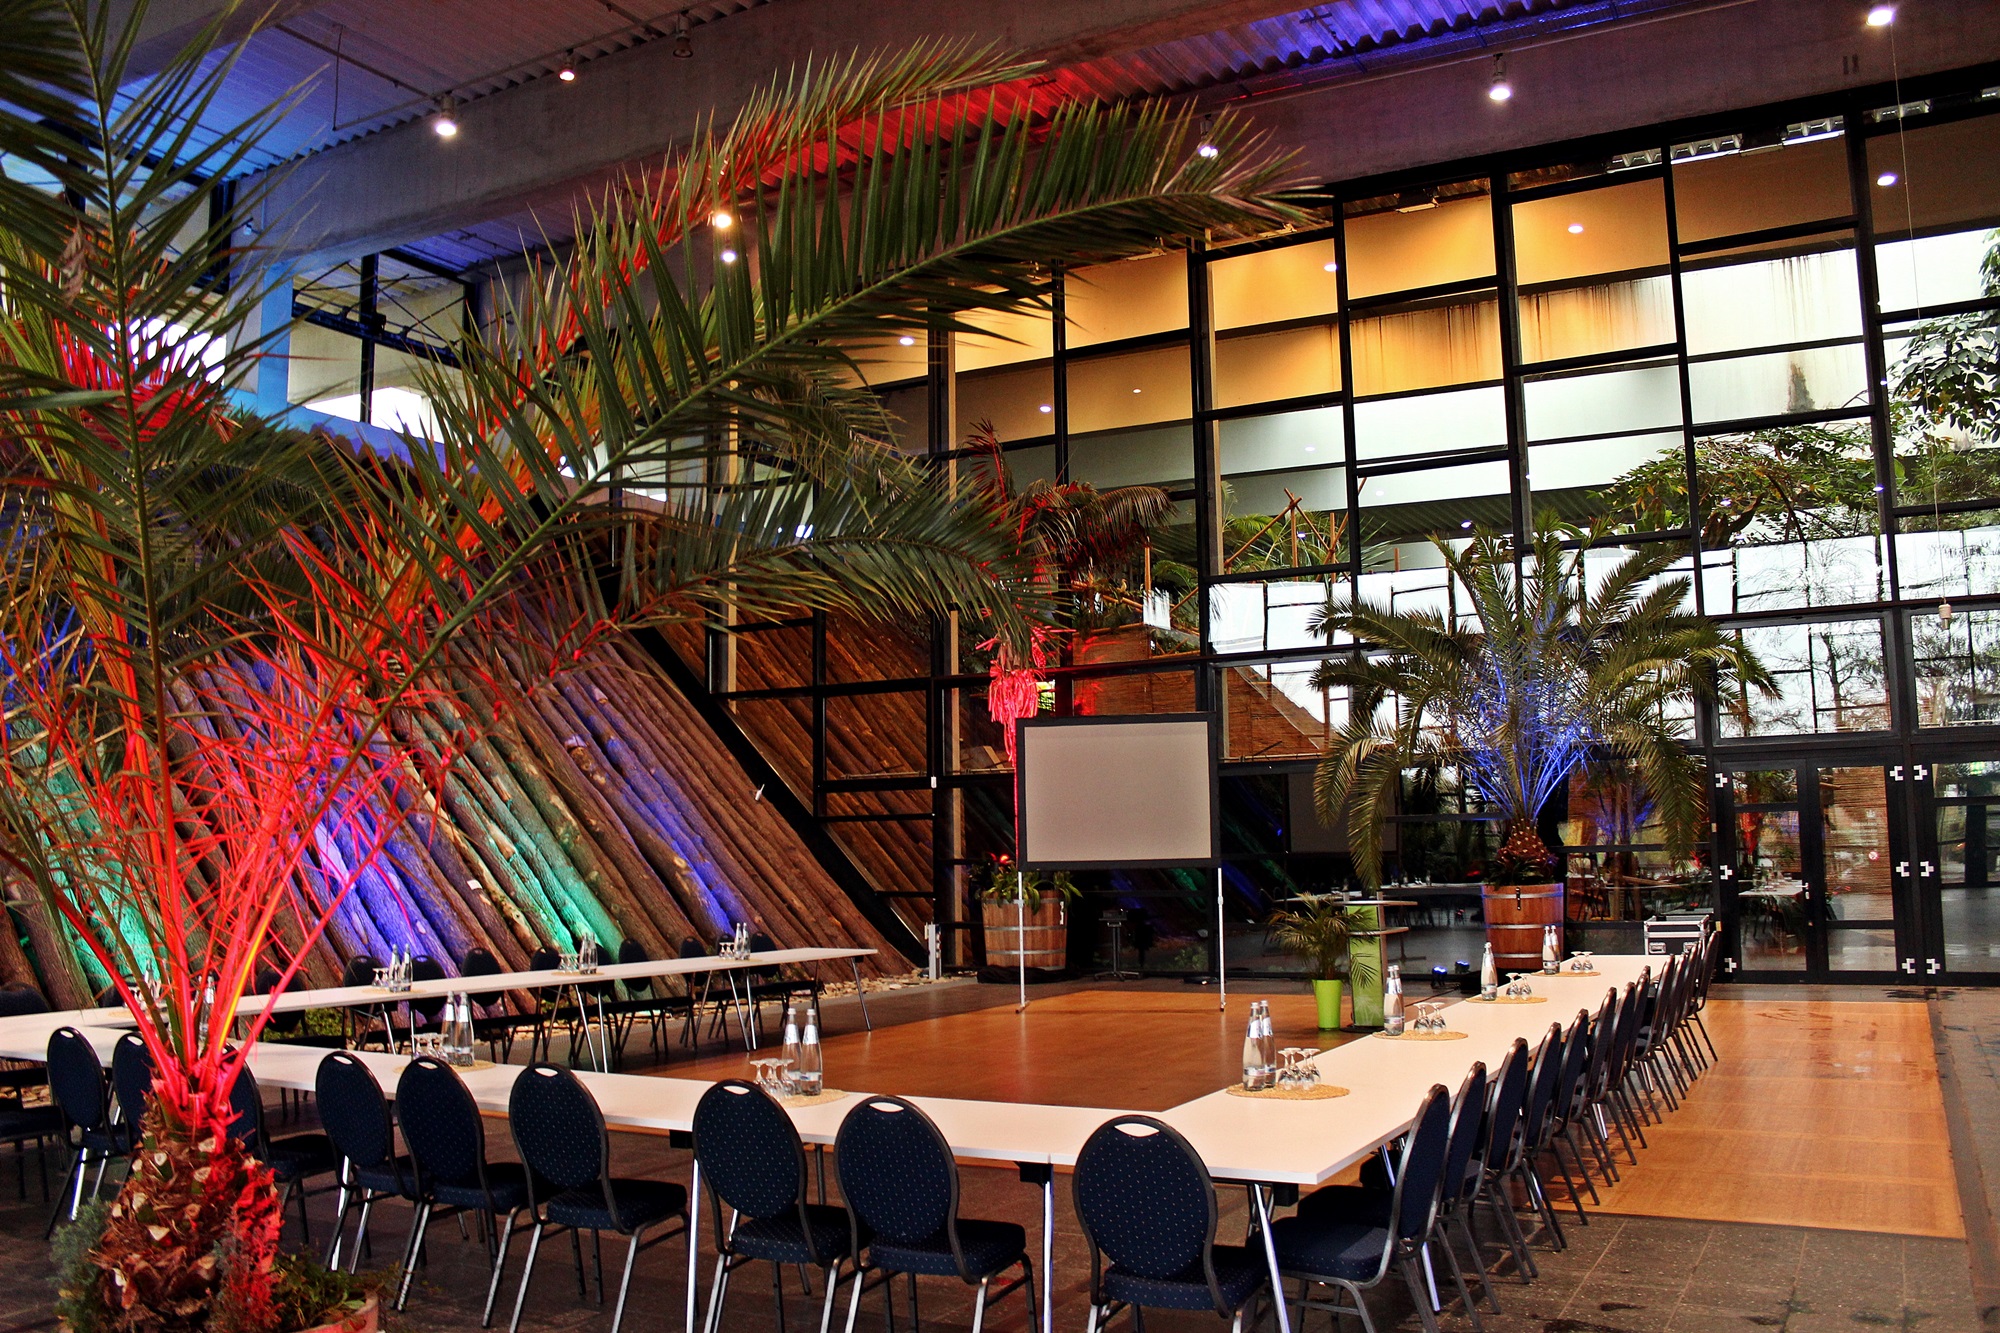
{"type": "Point", "coordinates": [1041, 932]}
{"type": "Point", "coordinates": [368, 1319]}
{"type": "Point", "coordinates": [1516, 915]}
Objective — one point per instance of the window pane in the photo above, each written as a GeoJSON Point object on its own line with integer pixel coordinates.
{"type": "Point", "coordinates": [1162, 456]}
{"type": "Point", "coordinates": [1937, 270]}
{"type": "Point", "coordinates": [1035, 463]}
{"type": "Point", "coordinates": [1273, 712]}
{"type": "Point", "coordinates": [1108, 302]}
{"type": "Point", "coordinates": [1266, 367]}
{"type": "Point", "coordinates": [1771, 300]}
{"type": "Point", "coordinates": [1130, 390]}
{"type": "Point", "coordinates": [1958, 668]}
{"type": "Point", "coordinates": [1267, 616]}
{"type": "Point", "coordinates": [1311, 438]}
{"type": "Point", "coordinates": [887, 362]}
{"type": "Point", "coordinates": [1945, 176]}
{"type": "Point", "coordinates": [1427, 423]}
{"type": "Point", "coordinates": [1791, 518]}
{"type": "Point", "coordinates": [1769, 875]}
{"type": "Point", "coordinates": [1019, 403]}
{"type": "Point", "coordinates": [1407, 507]}
{"type": "Point", "coordinates": [1612, 230]}
{"type": "Point", "coordinates": [1778, 383]}
{"type": "Point", "coordinates": [911, 408]}
{"type": "Point", "coordinates": [1281, 520]}
{"type": "Point", "coordinates": [1167, 691]}
{"type": "Point", "coordinates": [1829, 677]}
{"type": "Point", "coordinates": [1944, 385]}
{"type": "Point", "coordinates": [1745, 192]}
{"type": "Point", "coordinates": [1562, 322]}
{"type": "Point", "coordinates": [1949, 555]}
{"type": "Point", "coordinates": [1437, 343]}
{"type": "Point", "coordinates": [1637, 398]}
{"type": "Point", "coordinates": [1635, 483]}
{"type": "Point", "coordinates": [1295, 282]}
{"type": "Point", "coordinates": [1392, 251]}
{"type": "Point", "coordinates": [1012, 336]}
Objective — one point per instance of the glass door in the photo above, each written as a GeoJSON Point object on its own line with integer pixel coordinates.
{"type": "Point", "coordinates": [1807, 860]}
{"type": "Point", "coordinates": [1957, 871]}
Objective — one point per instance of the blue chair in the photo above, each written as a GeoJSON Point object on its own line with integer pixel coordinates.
{"type": "Point", "coordinates": [747, 1151]}
{"type": "Point", "coordinates": [446, 1140]}
{"type": "Point", "coordinates": [132, 1081]}
{"type": "Point", "coordinates": [1558, 1125]}
{"type": "Point", "coordinates": [1503, 1124]}
{"type": "Point", "coordinates": [294, 1159]}
{"type": "Point", "coordinates": [643, 999]}
{"type": "Point", "coordinates": [1543, 1083]}
{"type": "Point", "coordinates": [20, 1123]}
{"type": "Point", "coordinates": [356, 1118]}
{"type": "Point", "coordinates": [1146, 1203]}
{"type": "Point", "coordinates": [900, 1182]}
{"type": "Point", "coordinates": [76, 1084]}
{"type": "Point", "coordinates": [361, 1022]}
{"type": "Point", "coordinates": [496, 1028]}
{"type": "Point", "coordinates": [561, 1136]}
{"type": "Point", "coordinates": [1355, 1252]}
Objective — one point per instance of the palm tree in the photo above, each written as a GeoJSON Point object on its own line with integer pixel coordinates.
{"type": "Point", "coordinates": [212, 621]}
{"type": "Point", "coordinates": [1548, 667]}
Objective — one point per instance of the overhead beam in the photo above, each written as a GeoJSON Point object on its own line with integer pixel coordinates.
{"type": "Point", "coordinates": [541, 143]}
{"type": "Point", "coordinates": [168, 27]}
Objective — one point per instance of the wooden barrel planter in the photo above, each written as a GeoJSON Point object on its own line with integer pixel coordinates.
{"type": "Point", "coordinates": [1516, 916]}
{"type": "Point", "coordinates": [1041, 934]}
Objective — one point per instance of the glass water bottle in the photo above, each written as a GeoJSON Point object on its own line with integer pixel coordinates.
{"type": "Point", "coordinates": [1551, 952]}
{"type": "Point", "coordinates": [1392, 1002]}
{"type": "Point", "coordinates": [810, 1074]}
{"type": "Point", "coordinates": [1489, 975]}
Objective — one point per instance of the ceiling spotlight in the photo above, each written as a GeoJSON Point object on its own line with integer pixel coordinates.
{"type": "Point", "coordinates": [721, 219]}
{"type": "Point", "coordinates": [1466, 524]}
{"type": "Point", "coordinates": [567, 70]}
{"type": "Point", "coordinates": [1135, 391]}
{"type": "Point", "coordinates": [727, 256]}
{"type": "Point", "coordinates": [1500, 90]}
{"type": "Point", "coordinates": [683, 40]}
{"type": "Point", "coordinates": [907, 341]}
{"type": "Point", "coordinates": [1204, 148]}
{"type": "Point", "coordinates": [444, 121]}
{"type": "Point", "coordinates": [1330, 267]}
{"type": "Point", "coordinates": [1886, 179]}
{"type": "Point", "coordinates": [1881, 16]}
{"type": "Point", "coordinates": [1576, 229]}
{"type": "Point", "coordinates": [1312, 448]}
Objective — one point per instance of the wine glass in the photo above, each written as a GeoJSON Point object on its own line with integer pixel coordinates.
{"type": "Point", "coordinates": [1580, 961]}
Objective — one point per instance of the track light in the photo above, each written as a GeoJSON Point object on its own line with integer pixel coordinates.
{"type": "Point", "coordinates": [1886, 179]}
{"type": "Point", "coordinates": [727, 256]}
{"type": "Point", "coordinates": [683, 40]}
{"type": "Point", "coordinates": [567, 70]}
{"type": "Point", "coordinates": [444, 121]}
{"type": "Point", "coordinates": [1881, 16]}
{"type": "Point", "coordinates": [1203, 148]}
{"type": "Point", "coordinates": [1500, 90]}
{"type": "Point", "coordinates": [906, 341]}
{"type": "Point", "coordinates": [722, 219]}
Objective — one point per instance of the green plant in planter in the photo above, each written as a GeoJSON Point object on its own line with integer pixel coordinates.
{"type": "Point", "coordinates": [1324, 930]}
{"type": "Point", "coordinates": [1001, 882]}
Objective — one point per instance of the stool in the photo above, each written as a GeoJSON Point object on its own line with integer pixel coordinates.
{"type": "Point", "coordinates": [1115, 918]}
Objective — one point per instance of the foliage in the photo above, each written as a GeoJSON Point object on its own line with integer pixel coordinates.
{"type": "Point", "coordinates": [79, 1304]}
{"type": "Point", "coordinates": [1557, 672]}
{"type": "Point", "coordinates": [1323, 930]}
{"type": "Point", "coordinates": [1949, 373]}
{"type": "Point", "coordinates": [998, 881]}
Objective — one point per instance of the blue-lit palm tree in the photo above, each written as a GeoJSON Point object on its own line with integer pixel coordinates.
{"type": "Point", "coordinates": [1545, 670]}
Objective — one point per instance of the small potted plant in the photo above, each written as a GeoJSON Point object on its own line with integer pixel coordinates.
{"type": "Point", "coordinates": [1025, 913]}
{"type": "Point", "coordinates": [1324, 930]}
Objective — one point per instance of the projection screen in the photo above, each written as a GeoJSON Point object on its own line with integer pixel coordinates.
{"type": "Point", "coordinates": [1111, 792]}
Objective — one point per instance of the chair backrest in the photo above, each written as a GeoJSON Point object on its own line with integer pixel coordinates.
{"type": "Point", "coordinates": [353, 1111]}
{"type": "Point", "coordinates": [1603, 1030]}
{"type": "Point", "coordinates": [1421, 1173]}
{"type": "Point", "coordinates": [1144, 1197]}
{"type": "Point", "coordinates": [1576, 1060]}
{"type": "Point", "coordinates": [762, 943]}
{"type": "Point", "coordinates": [271, 981]}
{"type": "Point", "coordinates": [558, 1128]}
{"type": "Point", "coordinates": [132, 1077]}
{"type": "Point", "coordinates": [246, 1112]}
{"type": "Point", "coordinates": [76, 1078]}
{"type": "Point", "coordinates": [897, 1173]}
{"type": "Point", "coordinates": [692, 947]}
{"type": "Point", "coordinates": [18, 998]}
{"type": "Point", "coordinates": [632, 951]}
{"type": "Point", "coordinates": [1468, 1118]}
{"type": "Point", "coordinates": [360, 970]}
{"type": "Point", "coordinates": [426, 968]}
{"type": "Point", "coordinates": [108, 998]}
{"type": "Point", "coordinates": [1510, 1090]}
{"type": "Point", "coordinates": [748, 1149]}
{"type": "Point", "coordinates": [441, 1125]}
{"type": "Point", "coordinates": [479, 962]}
{"type": "Point", "coordinates": [1543, 1080]}
{"type": "Point", "coordinates": [1631, 1007]}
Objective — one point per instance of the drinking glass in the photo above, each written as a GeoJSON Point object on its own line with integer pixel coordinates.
{"type": "Point", "coordinates": [1308, 1073]}
{"type": "Point", "coordinates": [1580, 961]}
{"type": "Point", "coordinates": [1518, 988]}
{"type": "Point", "coordinates": [381, 978]}
{"type": "Point", "coordinates": [766, 1074]}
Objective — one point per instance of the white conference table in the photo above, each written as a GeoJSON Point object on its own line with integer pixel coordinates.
{"type": "Point", "coordinates": [1263, 1144]}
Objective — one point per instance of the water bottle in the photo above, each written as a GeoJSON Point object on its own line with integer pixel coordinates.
{"type": "Point", "coordinates": [461, 1033]}
{"type": "Point", "coordinates": [207, 1009]}
{"type": "Point", "coordinates": [1392, 1002]}
{"type": "Point", "coordinates": [1267, 1044]}
{"type": "Point", "coordinates": [811, 1067]}
{"type": "Point", "coordinates": [1551, 952]}
{"type": "Point", "coordinates": [1253, 1054]}
{"type": "Point", "coordinates": [1489, 975]}
{"type": "Point", "coordinates": [790, 1048]}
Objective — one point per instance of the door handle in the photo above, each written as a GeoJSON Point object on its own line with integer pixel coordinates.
{"type": "Point", "coordinates": [1725, 872]}
{"type": "Point", "coordinates": [1935, 966]}
{"type": "Point", "coordinates": [1910, 966]}
{"type": "Point", "coordinates": [1919, 773]}
{"type": "Point", "coordinates": [1928, 869]}
{"type": "Point", "coordinates": [1903, 869]}
{"type": "Point", "coordinates": [1895, 772]}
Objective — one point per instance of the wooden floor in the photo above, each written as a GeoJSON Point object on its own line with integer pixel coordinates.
{"type": "Point", "coordinates": [1821, 1113]}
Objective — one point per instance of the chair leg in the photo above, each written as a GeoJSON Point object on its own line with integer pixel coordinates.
{"type": "Point", "coordinates": [1538, 1199]}
{"type": "Point", "coordinates": [361, 1235]}
{"type": "Point", "coordinates": [979, 1306]}
{"type": "Point", "coordinates": [625, 1283]}
{"type": "Point", "coordinates": [1443, 1239]}
{"type": "Point", "coordinates": [340, 1227]}
{"type": "Point", "coordinates": [826, 1303]}
{"type": "Point", "coordinates": [1569, 1183]}
{"type": "Point", "coordinates": [418, 1226]}
{"type": "Point", "coordinates": [527, 1276]}
{"type": "Point", "coordinates": [853, 1297]}
{"type": "Point", "coordinates": [1702, 1028]}
{"type": "Point", "coordinates": [1034, 1306]}
{"type": "Point", "coordinates": [1414, 1280]}
{"type": "Point", "coordinates": [1503, 1209]}
{"type": "Point", "coordinates": [717, 1290]}
{"type": "Point", "coordinates": [1464, 1221]}
{"type": "Point", "coordinates": [75, 1174]}
{"type": "Point", "coordinates": [499, 1266]}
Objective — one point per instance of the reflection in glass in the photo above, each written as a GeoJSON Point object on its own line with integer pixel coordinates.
{"type": "Point", "coordinates": [1161, 456]}
{"type": "Point", "coordinates": [1274, 712]}
{"type": "Point", "coordinates": [1854, 843]}
{"type": "Point", "coordinates": [1941, 175]}
{"type": "Point", "coordinates": [1861, 950]}
{"type": "Point", "coordinates": [1271, 286]}
{"type": "Point", "coordinates": [1957, 668]}
{"type": "Point", "coordinates": [1107, 392]}
{"type": "Point", "coordinates": [1430, 423]}
{"type": "Point", "coordinates": [1563, 322]}
{"type": "Point", "coordinates": [1738, 193]}
{"type": "Point", "coordinates": [1770, 890]}
{"type": "Point", "coordinates": [1829, 678]}
{"type": "Point", "coordinates": [1814, 379]}
{"type": "Point", "coordinates": [1615, 229]}
{"type": "Point", "coordinates": [1267, 367]}
{"type": "Point", "coordinates": [1129, 299]}
{"type": "Point", "coordinates": [1944, 393]}
{"type": "Point", "coordinates": [1265, 616]}
{"type": "Point", "coordinates": [1602, 402]}
{"type": "Point", "coordinates": [1948, 555]}
{"type": "Point", "coordinates": [1018, 403]}
{"type": "Point", "coordinates": [1769, 302]}
{"type": "Point", "coordinates": [1418, 241]}
{"type": "Point", "coordinates": [1427, 346]}
{"type": "Point", "coordinates": [1968, 843]}
{"type": "Point", "coordinates": [1599, 481]}
{"type": "Point", "coordinates": [1409, 507]}
{"type": "Point", "coordinates": [1931, 271]}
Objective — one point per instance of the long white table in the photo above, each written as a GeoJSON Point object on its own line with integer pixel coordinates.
{"type": "Point", "coordinates": [1255, 1142]}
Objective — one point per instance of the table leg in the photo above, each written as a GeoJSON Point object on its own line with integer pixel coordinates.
{"type": "Point", "coordinates": [1260, 1199]}
{"type": "Point", "coordinates": [860, 994]}
{"type": "Point", "coordinates": [737, 998]}
{"type": "Point", "coordinates": [693, 1238]}
{"type": "Point", "coordinates": [1049, 1252]}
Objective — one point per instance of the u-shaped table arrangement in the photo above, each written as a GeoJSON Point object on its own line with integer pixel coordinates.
{"type": "Point", "coordinates": [1273, 1147]}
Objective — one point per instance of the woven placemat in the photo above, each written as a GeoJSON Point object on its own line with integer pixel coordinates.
{"type": "Point", "coordinates": [1567, 973]}
{"type": "Point", "coordinates": [820, 1098]}
{"type": "Point", "coordinates": [1319, 1092]}
{"type": "Point", "coordinates": [1511, 999]}
{"type": "Point", "coordinates": [1449, 1034]}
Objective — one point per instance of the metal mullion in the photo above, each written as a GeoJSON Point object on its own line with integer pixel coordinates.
{"type": "Point", "coordinates": [1416, 296]}
{"type": "Point", "coordinates": [1774, 349]}
{"type": "Point", "coordinates": [1059, 371]}
{"type": "Point", "coordinates": [940, 714]}
{"type": "Point", "coordinates": [1585, 184]}
{"type": "Point", "coordinates": [370, 281]}
{"type": "Point", "coordinates": [1598, 360]}
{"type": "Point", "coordinates": [1207, 468]}
{"type": "Point", "coordinates": [1794, 231]}
{"type": "Point", "coordinates": [819, 756]}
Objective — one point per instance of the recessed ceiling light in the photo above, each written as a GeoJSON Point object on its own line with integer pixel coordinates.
{"type": "Point", "coordinates": [727, 256]}
{"type": "Point", "coordinates": [1330, 267]}
{"type": "Point", "coordinates": [907, 341]}
{"type": "Point", "coordinates": [1312, 448]}
{"type": "Point", "coordinates": [1466, 524]}
{"type": "Point", "coordinates": [1576, 229]}
{"type": "Point", "coordinates": [1886, 179]}
{"type": "Point", "coordinates": [721, 219]}
{"type": "Point", "coordinates": [1881, 16]}
{"type": "Point", "coordinates": [1045, 408]}
{"type": "Point", "coordinates": [1135, 391]}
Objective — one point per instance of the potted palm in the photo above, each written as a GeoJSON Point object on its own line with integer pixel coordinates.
{"type": "Point", "coordinates": [1543, 669]}
{"type": "Point", "coordinates": [1324, 930]}
{"type": "Point", "coordinates": [1025, 917]}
